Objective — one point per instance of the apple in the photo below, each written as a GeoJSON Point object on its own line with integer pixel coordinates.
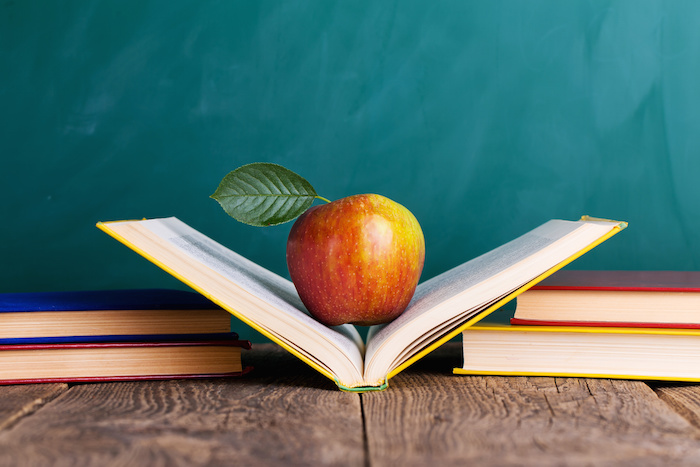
{"type": "Point", "coordinates": [356, 260]}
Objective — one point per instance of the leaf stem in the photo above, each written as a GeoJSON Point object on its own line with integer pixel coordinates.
{"type": "Point", "coordinates": [323, 199]}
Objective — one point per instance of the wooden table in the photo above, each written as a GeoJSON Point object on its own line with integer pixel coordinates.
{"type": "Point", "coordinates": [284, 413]}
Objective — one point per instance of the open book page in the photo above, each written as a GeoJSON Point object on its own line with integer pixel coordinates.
{"type": "Point", "coordinates": [230, 280]}
{"type": "Point", "coordinates": [444, 302]}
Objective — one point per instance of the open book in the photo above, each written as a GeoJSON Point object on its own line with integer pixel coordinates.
{"type": "Point", "coordinates": [442, 307]}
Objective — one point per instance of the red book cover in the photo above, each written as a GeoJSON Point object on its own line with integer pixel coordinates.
{"type": "Point", "coordinates": [111, 379]}
{"type": "Point", "coordinates": [659, 281]}
{"type": "Point", "coordinates": [602, 324]}
{"type": "Point", "coordinates": [16, 349]}
{"type": "Point", "coordinates": [618, 281]}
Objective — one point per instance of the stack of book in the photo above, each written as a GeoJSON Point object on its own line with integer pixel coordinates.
{"type": "Point", "coordinates": [115, 335]}
{"type": "Point", "coordinates": [608, 324]}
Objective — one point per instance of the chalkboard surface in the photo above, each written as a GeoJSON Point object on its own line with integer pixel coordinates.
{"type": "Point", "coordinates": [484, 118]}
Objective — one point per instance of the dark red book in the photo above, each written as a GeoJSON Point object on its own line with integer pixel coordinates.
{"type": "Point", "coordinates": [666, 299]}
{"type": "Point", "coordinates": [121, 361]}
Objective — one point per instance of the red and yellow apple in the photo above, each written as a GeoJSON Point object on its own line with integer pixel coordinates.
{"type": "Point", "coordinates": [356, 260]}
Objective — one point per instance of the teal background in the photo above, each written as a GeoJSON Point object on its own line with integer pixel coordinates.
{"type": "Point", "coordinates": [484, 118]}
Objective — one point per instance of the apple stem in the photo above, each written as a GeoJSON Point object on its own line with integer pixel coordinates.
{"type": "Point", "coordinates": [322, 198]}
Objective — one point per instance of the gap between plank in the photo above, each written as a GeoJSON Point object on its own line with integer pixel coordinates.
{"type": "Point", "coordinates": [365, 440]}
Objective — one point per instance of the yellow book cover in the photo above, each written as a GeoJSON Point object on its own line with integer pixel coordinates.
{"type": "Point", "coordinates": [442, 306]}
{"type": "Point", "coordinates": [644, 353]}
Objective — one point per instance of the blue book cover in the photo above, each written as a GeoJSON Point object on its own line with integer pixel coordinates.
{"type": "Point", "coordinates": [122, 299]}
{"type": "Point", "coordinates": [130, 338]}
{"type": "Point", "coordinates": [132, 315]}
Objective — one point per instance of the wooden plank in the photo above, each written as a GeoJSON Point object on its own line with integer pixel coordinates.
{"type": "Point", "coordinates": [683, 398]}
{"type": "Point", "coordinates": [283, 412]}
{"type": "Point", "coordinates": [429, 416]}
{"type": "Point", "coordinates": [24, 399]}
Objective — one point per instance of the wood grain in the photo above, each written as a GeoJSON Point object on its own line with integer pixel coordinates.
{"type": "Point", "coordinates": [20, 401]}
{"type": "Point", "coordinates": [683, 398]}
{"type": "Point", "coordinates": [282, 413]}
{"type": "Point", "coordinates": [430, 416]}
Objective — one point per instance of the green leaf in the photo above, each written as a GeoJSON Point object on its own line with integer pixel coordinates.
{"type": "Point", "coordinates": [263, 194]}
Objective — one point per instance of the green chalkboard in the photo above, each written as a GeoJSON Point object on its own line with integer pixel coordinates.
{"type": "Point", "coordinates": [485, 118]}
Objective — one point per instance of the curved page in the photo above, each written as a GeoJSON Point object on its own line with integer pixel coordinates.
{"type": "Point", "coordinates": [252, 293]}
{"type": "Point", "coordinates": [444, 302]}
